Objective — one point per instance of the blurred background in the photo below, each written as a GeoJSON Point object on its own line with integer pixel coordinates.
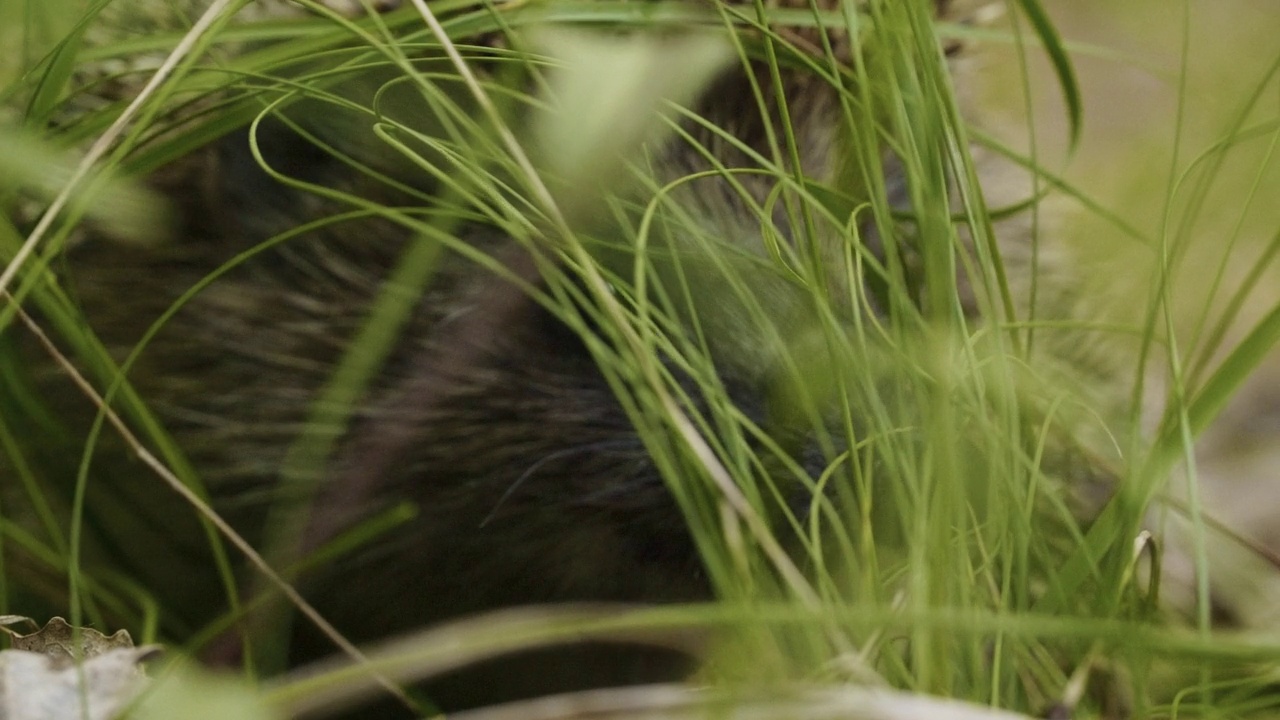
{"type": "Point", "coordinates": [1176, 160]}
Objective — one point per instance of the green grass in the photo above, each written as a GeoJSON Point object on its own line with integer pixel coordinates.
{"type": "Point", "coordinates": [955, 392]}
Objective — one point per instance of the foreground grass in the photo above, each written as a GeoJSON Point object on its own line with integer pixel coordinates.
{"type": "Point", "coordinates": [949, 550]}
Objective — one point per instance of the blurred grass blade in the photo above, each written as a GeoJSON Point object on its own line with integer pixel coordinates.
{"type": "Point", "coordinates": [29, 31]}
{"type": "Point", "coordinates": [59, 68]}
{"type": "Point", "coordinates": [608, 93]}
{"type": "Point", "coordinates": [120, 207]}
{"type": "Point", "coordinates": [1062, 66]}
{"type": "Point", "coordinates": [1227, 381]}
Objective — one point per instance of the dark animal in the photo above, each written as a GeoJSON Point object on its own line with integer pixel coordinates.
{"type": "Point", "coordinates": [491, 416]}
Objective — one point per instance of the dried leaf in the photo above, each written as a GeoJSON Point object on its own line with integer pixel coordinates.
{"type": "Point", "coordinates": [59, 640]}
{"type": "Point", "coordinates": [41, 679]}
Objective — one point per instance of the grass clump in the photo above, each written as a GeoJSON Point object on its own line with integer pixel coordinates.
{"type": "Point", "coordinates": [939, 488]}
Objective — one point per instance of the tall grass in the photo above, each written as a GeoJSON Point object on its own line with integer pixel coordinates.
{"type": "Point", "coordinates": [951, 542]}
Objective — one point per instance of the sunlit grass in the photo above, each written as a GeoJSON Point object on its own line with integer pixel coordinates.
{"type": "Point", "coordinates": [943, 549]}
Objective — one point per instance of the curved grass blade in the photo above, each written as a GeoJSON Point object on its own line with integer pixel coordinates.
{"type": "Point", "coordinates": [1062, 66]}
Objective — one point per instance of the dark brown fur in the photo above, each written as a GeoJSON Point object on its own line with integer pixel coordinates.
{"type": "Point", "coordinates": [490, 417]}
